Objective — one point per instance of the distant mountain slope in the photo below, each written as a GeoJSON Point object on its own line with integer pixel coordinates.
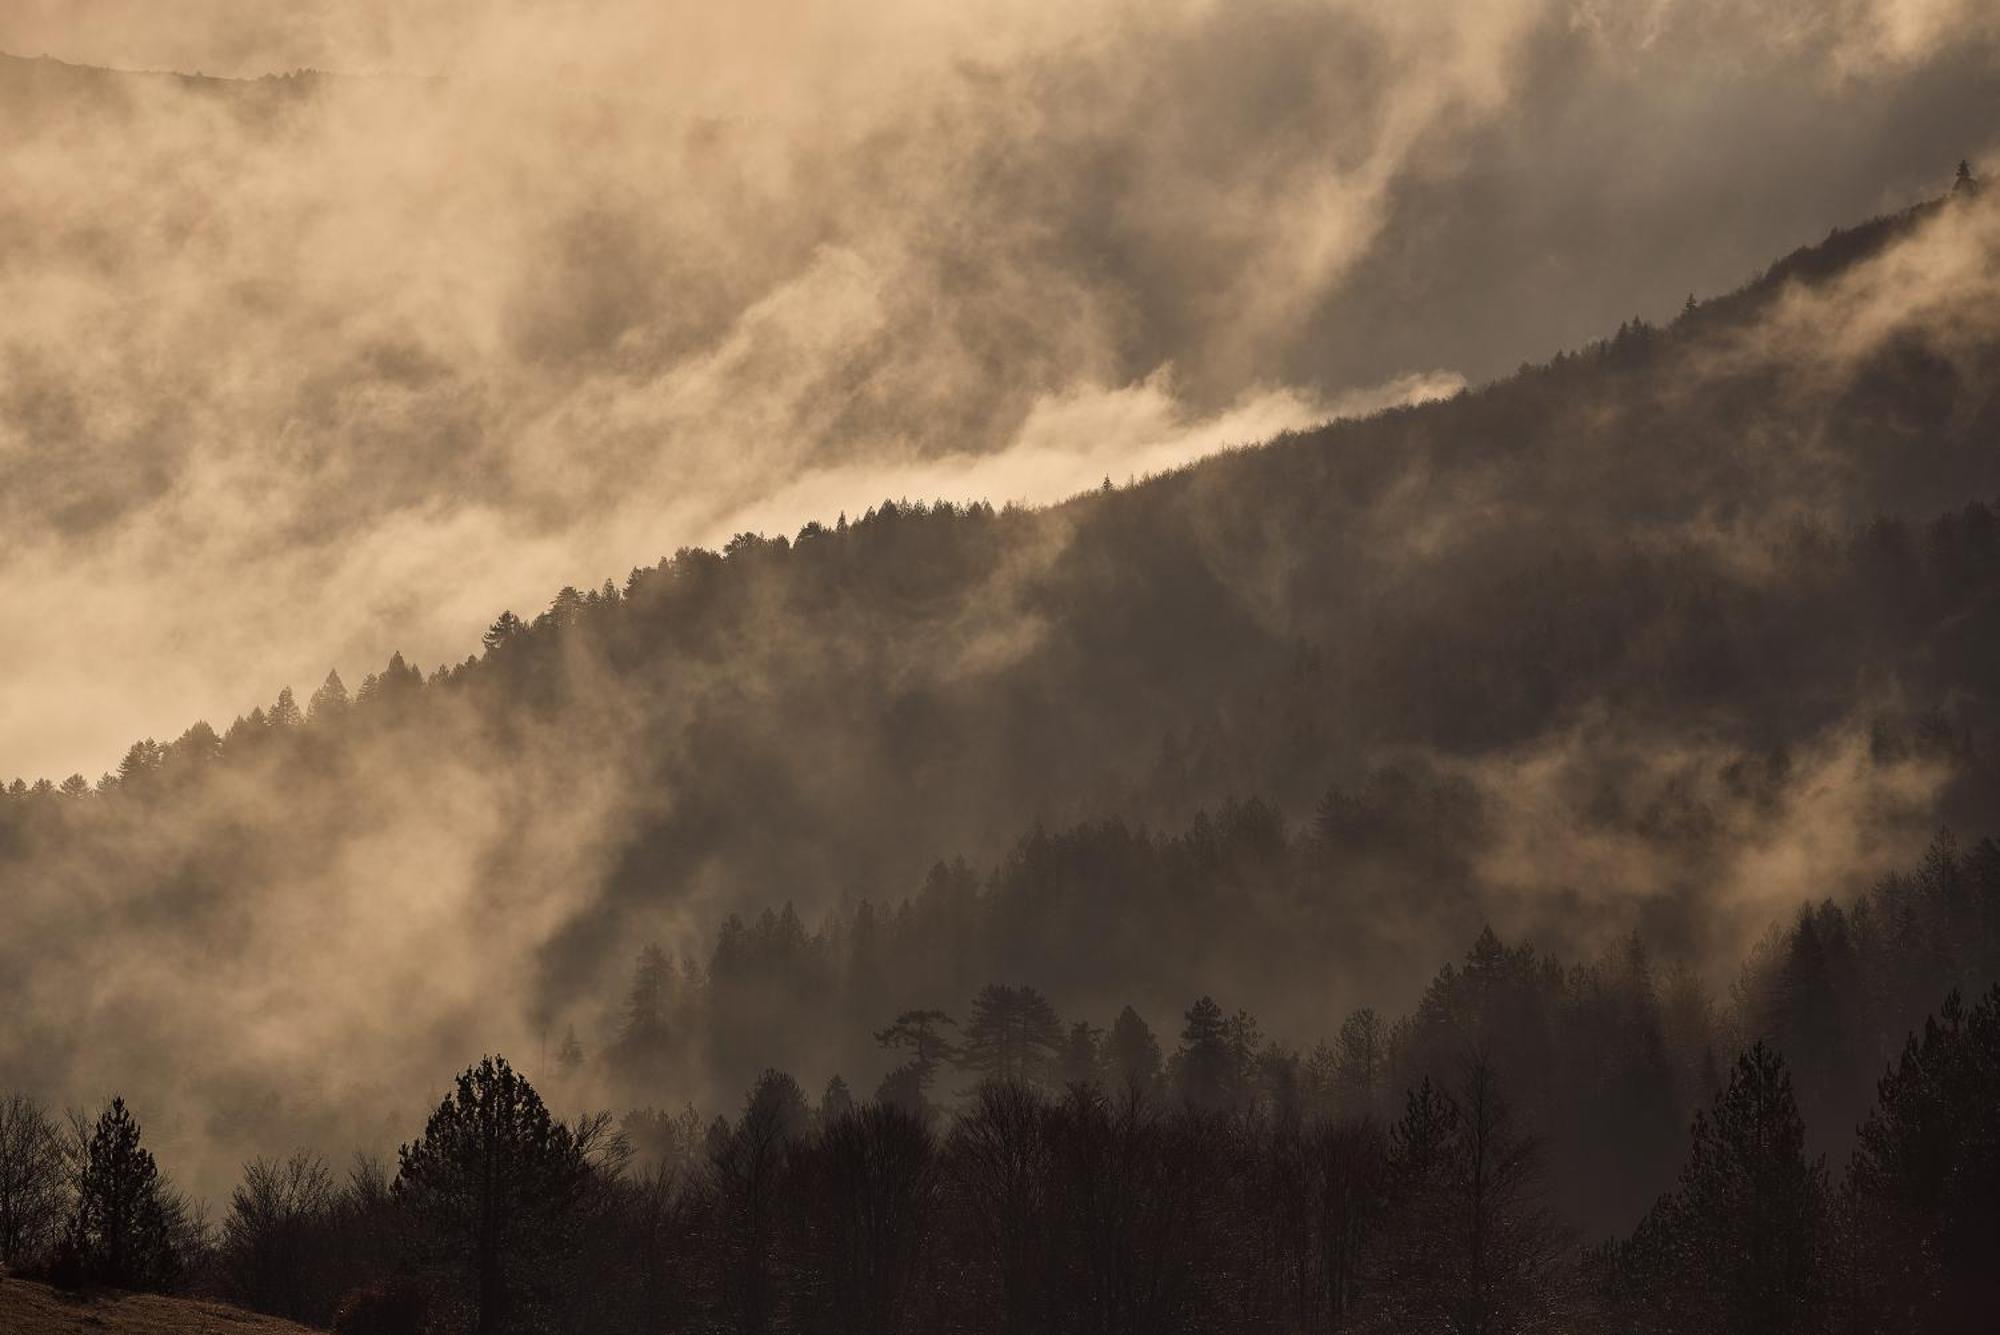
{"type": "Point", "coordinates": [1668, 634]}
{"type": "Point", "coordinates": [44, 94]}
{"type": "Point", "coordinates": [36, 1309]}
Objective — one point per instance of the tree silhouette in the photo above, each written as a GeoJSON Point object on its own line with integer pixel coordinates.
{"type": "Point", "coordinates": [1132, 1054]}
{"type": "Point", "coordinates": [919, 1033]}
{"type": "Point", "coordinates": [504, 630]}
{"type": "Point", "coordinates": [285, 714]}
{"type": "Point", "coordinates": [329, 703]}
{"type": "Point", "coordinates": [996, 1159]}
{"type": "Point", "coordinates": [1205, 1063]}
{"type": "Point", "coordinates": [1741, 1244]}
{"type": "Point", "coordinates": [642, 1048]}
{"type": "Point", "coordinates": [121, 1230]}
{"type": "Point", "coordinates": [1344, 1181]}
{"type": "Point", "coordinates": [31, 1180]}
{"type": "Point", "coordinates": [872, 1179]}
{"type": "Point", "coordinates": [750, 1167]}
{"type": "Point", "coordinates": [493, 1187]}
{"type": "Point", "coordinates": [835, 1102]}
{"type": "Point", "coordinates": [1924, 1180]}
{"type": "Point", "coordinates": [1013, 1034]}
{"type": "Point", "coordinates": [1410, 1265]}
{"type": "Point", "coordinates": [279, 1217]}
{"type": "Point", "coordinates": [1755, 1204]}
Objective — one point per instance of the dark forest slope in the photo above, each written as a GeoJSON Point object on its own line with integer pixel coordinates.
{"type": "Point", "coordinates": [1670, 634]}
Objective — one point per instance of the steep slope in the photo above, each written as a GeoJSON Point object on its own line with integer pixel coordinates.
{"type": "Point", "coordinates": [1667, 634]}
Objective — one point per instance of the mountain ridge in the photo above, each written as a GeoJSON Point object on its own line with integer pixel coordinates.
{"type": "Point", "coordinates": [1808, 265]}
{"type": "Point", "coordinates": [1664, 637]}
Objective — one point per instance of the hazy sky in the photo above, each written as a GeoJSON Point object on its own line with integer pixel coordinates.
{"type": "Point", "coordinates": [299, 373]}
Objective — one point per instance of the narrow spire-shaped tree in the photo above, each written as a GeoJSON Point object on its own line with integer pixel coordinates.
{"type": "Point", "coordinates": [329, 701]}
{"type": "Point", "coordinates": [285, 713]}
{"type": "Point", "coordinates": [1740, 1245]}
{"type": "Point", "coordinates": [120, 1234]}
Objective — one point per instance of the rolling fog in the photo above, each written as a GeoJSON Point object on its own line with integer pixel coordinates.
{"type": "Point", "coordinates": [397, 316]}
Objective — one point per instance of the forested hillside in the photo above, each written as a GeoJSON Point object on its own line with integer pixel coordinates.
{"type": "Point", "coordinates": [1667, 637]}
{"type": "Point", "coordinates": [1093, 1181]}
{"type": "Point", "coordinates": [1019, 667]}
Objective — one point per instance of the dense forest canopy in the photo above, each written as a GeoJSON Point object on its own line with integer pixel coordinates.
{"type": "Point", "coordinates": [1667, 636]}
{"type": "Point", "coordinates": [1089, 1180]}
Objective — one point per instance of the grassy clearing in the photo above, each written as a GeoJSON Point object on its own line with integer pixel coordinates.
{"type": "Point", "coordinates": [36, 1309]}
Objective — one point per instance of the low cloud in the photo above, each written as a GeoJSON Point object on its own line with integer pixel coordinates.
{"type": "Point", "coordinates": [529, 294]}
{"type": "Point", "coordinates": [1600, 830]}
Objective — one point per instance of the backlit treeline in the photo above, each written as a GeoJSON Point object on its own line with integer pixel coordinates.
{"type": "Point", "coordinates": [1016, 1172]}
{"type": "Point", "coordinates": [1505, 659]}
{"type": "Point", "coordinates": [1609, 1056]}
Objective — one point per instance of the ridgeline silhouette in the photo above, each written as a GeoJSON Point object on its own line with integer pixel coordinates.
{"type": "Point", "coordinates": [949, 811]}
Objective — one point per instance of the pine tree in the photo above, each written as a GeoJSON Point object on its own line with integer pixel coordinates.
{"type": "Point", "coordinates": [139, 763]}
{"type": "Point", "coordinates": [643, 1034]}
{"type": "Point", "coordinates": [836, 1102]}
{"type": "Point", "coordinates": [121, 1231]}
{"type": "Point", "coordinates": [1013, 1035]}
{"type": "Point", "coordinates": [285, 713]}
{"type": "Point", "coordinates": [1204, 1062]}
{"type": "Point", "coordinates": [504, 630]}
{"type": "Point", "coordinates": [1922, 1186]}
{"type": "Point", "coordinates": [1740, 1245]}
{"type": "Point", "coordinates": [198, 745]}
{"type": "Point", "coordinates": [567, 608]}
{"type": "Point", "coordinates": [918, 1033]}
{"type": "Point", "coordinates": [493, 1188]}
{"type": "Point", "coordinates": [1406, 1268]}
{"type": "Point", "coordinates": [330, 701]}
